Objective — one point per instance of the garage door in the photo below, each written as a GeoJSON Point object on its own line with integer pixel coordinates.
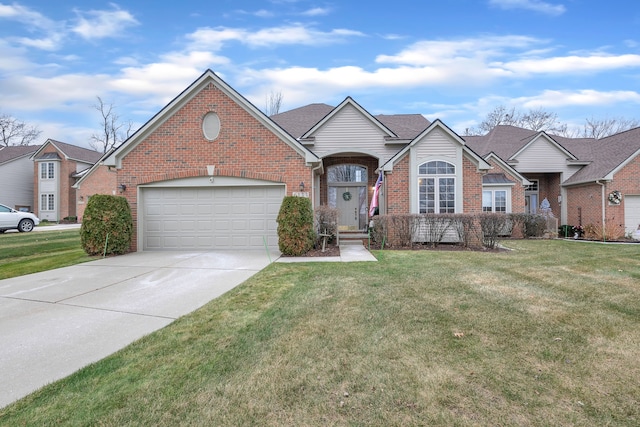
{"type": "Point", "coordinates": [631, 213]}
{"type": "Point", "coordinates": [203, 218]}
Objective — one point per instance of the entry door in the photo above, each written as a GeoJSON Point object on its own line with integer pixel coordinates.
{"type": "Point", "coordinates": [348, 204]}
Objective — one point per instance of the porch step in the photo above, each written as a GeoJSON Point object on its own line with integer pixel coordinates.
{"type": "Point", "coordinates": [352, 238]}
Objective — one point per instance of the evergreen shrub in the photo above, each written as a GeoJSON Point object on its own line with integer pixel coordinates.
{"type": "Point", "coordinates": [107, 221]}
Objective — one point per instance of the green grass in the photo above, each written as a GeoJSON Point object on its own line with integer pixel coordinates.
{"type": "Point", "coordinates": [25, 253]}
{"type": "Point", "coordinates": [546, 334]}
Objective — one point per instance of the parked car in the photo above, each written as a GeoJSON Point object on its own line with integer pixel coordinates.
{"type": "Point", "coordinates": [12, 219]}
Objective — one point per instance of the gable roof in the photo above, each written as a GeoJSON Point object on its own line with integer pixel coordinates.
{"type": "Point", "coordinates": [300, 121]}
{"type": "Point", "coordinates": [208, 77]}
{"type": "Point", "coordinates": [600, 158]}
{"type": "Point", "coordinates": [69, 151]}
{"type": "Point", "coordinates": [15, 152]}
{"type": "Point", "coordinates": [608, 155]}
{"type": "Point", "coordinates": [437, 123]}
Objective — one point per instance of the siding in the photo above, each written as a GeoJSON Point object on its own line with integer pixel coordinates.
{"type": "Point", "coordinates": [17, 183]}
{"type": "Point", "coordinates": [350, 131]}
{"type": "Point", "coordinates": [544, 157]}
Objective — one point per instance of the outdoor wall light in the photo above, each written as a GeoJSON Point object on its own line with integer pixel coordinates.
{"type": "Point", "coordinates": [302, 187]}
{"type": "Point", "coordinates": [211, 169]}
{"type": "Point", "coordinates": [122, 188]}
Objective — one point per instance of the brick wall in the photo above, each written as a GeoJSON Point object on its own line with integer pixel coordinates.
{"type": "Point", "coordinates": [397, 188]}
{"type": "Point", "coordinates": [244, 148]}
{"type": "Point", "coordinates": [517, 191]}
{"type": "Point", "coordinates": [471, 187]}
{"type": "Point", "coordinates": [585, 201]}
{"type": "Point", "coordinates": [101, 181]}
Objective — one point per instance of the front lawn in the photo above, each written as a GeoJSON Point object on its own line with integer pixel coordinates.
{"type": "Point", "coordinates": [24, 253]}
{"type": "Point", "coordinates": [546, 334]}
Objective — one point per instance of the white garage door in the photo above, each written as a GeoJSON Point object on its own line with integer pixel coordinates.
{"type": "Point", "coordinates": [631, 213]}
{"type": "Point", "coordinates": [201, 218]}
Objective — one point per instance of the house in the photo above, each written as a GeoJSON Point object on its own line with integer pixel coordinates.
{"type": "Point", "coordinates": [587, 181]}
{"type": "Point", "coordinates": [210, 169]}
{"type": "Point", "coordinates": [16, 169]}
{"type": "Point", "coordinates": [54, 170]}
{"type": "Point", "coordinates": [16, 176]}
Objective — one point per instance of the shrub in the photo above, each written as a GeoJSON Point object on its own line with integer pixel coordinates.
{"type": "Point", "coordinates": [379, 229]}
{"type": "Point", "coordinates": [492, 226]}
{"type": "Point", "coordinates": [107, 225]}
{"type": "Point", "coordinates": [464, 226]}
{"type": "Point", "coordinates": [402, 229]}
{"type": "Point", "coordinates": [326, 220]}
{"type": "Point", "coordinates": [534, 225]}
{"type": "Point", "coordinates": [432, 228]}
{"type": "Point", "coordinates": [295, 226]}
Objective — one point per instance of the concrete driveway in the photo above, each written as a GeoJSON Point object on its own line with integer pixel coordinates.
{"type": "Point", "coordinates": [56, 322]}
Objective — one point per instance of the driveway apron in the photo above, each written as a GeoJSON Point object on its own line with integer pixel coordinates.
{"type": "Point", "coordinates": [56, 322]}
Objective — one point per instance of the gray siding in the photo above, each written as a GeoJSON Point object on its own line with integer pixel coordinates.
{"type": "Point", "coordinates": [350, 131]}
{"type": "Point", "coordinates": [16, 178]}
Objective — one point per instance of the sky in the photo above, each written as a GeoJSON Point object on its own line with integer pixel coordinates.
{"type": "Point", "coordinates": [455, 60]}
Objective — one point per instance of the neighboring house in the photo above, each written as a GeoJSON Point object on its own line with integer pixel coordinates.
{"type": "Point", "coordinates": [98, 179]}
{"type": "Point", "coordinates": [210, 169]}
{"type": "Point", "coordinates": [16, 176]}
{"type": "Point", "coordinates": [56, 167]}
{"type": "Point", "coordinates": [580, 177]}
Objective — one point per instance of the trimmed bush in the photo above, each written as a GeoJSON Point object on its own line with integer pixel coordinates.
{"type": "Point", "coordinates": [296, 235]}
{"type": "Point", "coordinates": [107, 225]}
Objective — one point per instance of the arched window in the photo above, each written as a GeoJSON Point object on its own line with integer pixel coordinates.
{"type": "Point", "coordinates": [437, 187]}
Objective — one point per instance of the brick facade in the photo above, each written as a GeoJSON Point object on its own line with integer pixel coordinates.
{"type": "Point", "coordinates": [102, 180]}
{"type": "Point", "coordinates": [585, 201]}
{"type": "Point", "coordinates": [178, 149]}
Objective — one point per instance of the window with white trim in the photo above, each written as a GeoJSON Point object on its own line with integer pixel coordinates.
{"type": "Point", "coordinates": [494, 201]}
{"type": "Point", "coordinates": [436, 187]}
{"type": "Point", "coordinates": [47, 202]}
{"type": "Point", "coordinates": [47, 170]}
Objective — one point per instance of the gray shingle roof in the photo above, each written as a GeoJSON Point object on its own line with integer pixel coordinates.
{"type": "Point", "coordinates": [604, 155]}
{"type": "Point", "coordinates": [299, 120]}
{"type": "Point", "coordinates": [496, 178]}
{"type": "Point", "coordinates": [77, 153]}
{"type": "Point", "coordinates": [10, 153]}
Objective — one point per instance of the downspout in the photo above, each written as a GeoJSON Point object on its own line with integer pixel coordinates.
{"type": "Point", "coordinates": [604, 234]}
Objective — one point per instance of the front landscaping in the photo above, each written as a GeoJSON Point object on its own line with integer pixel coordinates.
{"type": "Point", "coordinates": [546, 333]}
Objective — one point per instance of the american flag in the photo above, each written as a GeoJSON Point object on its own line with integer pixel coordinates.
{"type": "Point", "coordinates": [376, 194]}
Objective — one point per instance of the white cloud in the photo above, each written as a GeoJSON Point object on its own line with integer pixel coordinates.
{"type": "Point", "coordinates": [533, 5]}
{"type": "Point", "coordinates": [215, 38]}
{"type": "Point", "coordinates": [577, 98]}
{"type": "Point", "coordinates": [98, 24]}
{"type": "Point", "coordinates": [571, 64]}
{"type": "Point", "coordinates": [317, 11]}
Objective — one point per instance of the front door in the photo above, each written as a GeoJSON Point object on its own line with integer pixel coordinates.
{"type": "Point", "coordinates": [348, 204]}
{"type": "Point", "coordinates": [347, 185]}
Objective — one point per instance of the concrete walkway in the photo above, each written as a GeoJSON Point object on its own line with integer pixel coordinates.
{"type": "Point", "coordinates": [348, 253]}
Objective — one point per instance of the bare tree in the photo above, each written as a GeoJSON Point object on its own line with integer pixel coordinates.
{"type": "Point", "coordinates": [273, 102]}
{"type": "Point", "coordinates": [606, 127]}
{"type": "Point", "coordinates": [16, 132]}
{"type": "Point", "coordinates": [541, 120]}
{"type": "Point", "coordinates": [113, 131]}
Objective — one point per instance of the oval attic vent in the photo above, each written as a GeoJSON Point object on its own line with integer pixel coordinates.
{"type": "Point", "coordinates": [211, 126]}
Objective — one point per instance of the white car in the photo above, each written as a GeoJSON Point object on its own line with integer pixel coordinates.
{"type": "Point", "coordinates": [13, 219]}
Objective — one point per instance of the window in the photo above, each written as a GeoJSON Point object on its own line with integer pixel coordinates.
{"type": "Point", "coordinates": [436, 187]}
{"type": "Point", "coordinates": [47, 170]}
{"type": "Point", "coordinates": [494, 201]}
{"type": "Point", "coordinates": [47, 202]}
